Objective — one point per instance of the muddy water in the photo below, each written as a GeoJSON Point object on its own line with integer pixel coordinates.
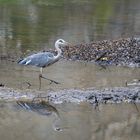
{"type": "Point", "coordinates": [69, 74]}
{"type": "Point", "coordinates": [33, 25]}
{"type": "Point", "coordinates": [74, 122]}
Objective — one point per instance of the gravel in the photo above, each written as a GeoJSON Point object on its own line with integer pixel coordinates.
{"type": "Point", "coordinates": [124, 51]}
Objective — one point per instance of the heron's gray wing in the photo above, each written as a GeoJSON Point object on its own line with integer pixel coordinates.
{"type": "Point", "coordinates": [41, 59]}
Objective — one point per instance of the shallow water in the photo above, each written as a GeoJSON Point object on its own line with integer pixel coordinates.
{"type": "Point", "coordinates": [74, 122]}
{"type": "Point", "coordinates": [69, 74]}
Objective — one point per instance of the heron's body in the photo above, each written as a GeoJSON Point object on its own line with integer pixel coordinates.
{"type": "Point", "coordinates": [41, 59]}
{"type": "Point", "coordinates": [44, 59]}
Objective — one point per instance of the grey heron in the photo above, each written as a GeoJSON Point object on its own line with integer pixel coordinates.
{"type": "Point", "coordinates": [44, 59]}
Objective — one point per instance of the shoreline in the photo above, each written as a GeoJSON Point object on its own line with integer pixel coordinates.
{"type": "Point", "coordinates": [92, 95]}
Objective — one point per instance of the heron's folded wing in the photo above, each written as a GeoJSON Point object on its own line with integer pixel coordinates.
{"type": "Point", "coordinates": [40, 59]}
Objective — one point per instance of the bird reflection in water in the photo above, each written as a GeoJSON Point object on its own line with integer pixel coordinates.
{"type": "Point", "coordinates": [42, 107]}
{"type": "Point", "coordinates": [38, 105]}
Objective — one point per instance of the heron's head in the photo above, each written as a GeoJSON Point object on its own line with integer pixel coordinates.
{"type": "Point", "coordinates": [61, 43]}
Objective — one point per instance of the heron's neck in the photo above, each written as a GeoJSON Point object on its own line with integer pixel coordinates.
{"type": "Point", "coordinates": [59, 52]}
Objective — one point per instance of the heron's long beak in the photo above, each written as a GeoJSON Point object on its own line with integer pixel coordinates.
{"type": "Point", "coordinates": [67, 44]}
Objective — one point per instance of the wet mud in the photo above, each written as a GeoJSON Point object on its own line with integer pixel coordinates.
{"type": "Point", "coordinates": [93, 96]}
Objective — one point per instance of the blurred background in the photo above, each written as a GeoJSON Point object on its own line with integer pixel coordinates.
{"type": "Point", "coordinates": [27, 25]}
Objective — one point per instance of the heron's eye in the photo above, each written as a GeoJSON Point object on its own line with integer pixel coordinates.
{"type": "Point", "coordinates": [61, 41]}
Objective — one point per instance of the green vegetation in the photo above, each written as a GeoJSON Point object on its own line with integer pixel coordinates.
{"type": "Point", "coordinates": [8, 1]}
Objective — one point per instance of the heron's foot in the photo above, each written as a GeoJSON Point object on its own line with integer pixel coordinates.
{"type": "Point", "coordinates": [51, 81]}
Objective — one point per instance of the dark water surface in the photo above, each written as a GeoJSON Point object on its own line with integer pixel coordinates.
{"type": "Point", "coordinates": [28, 26]}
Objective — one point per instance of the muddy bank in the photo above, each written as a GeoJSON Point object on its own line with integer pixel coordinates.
{"type": "Point", "coordinates": [112, 95]}
{"type": "Point", "coordinates": [93, 96]}
{"type": "Point", "coordinates": [125, 51]}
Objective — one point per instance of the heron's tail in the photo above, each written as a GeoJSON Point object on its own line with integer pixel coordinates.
{"type": "Point", "coordinates": [23, 61]}
{"type": "Point", "coordinates": [19, 60]}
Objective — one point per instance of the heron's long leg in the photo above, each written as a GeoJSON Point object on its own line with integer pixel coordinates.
{"type": "Point", "coordinates": [41, 70]}
{"type": "Point", "coordinates": [52, 81]}
{"type": "Point", "coordinates": [40, 81]}
{"type": "Point", "coordinates": [40, 76]}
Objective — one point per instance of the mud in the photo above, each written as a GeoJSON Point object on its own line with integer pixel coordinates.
{"type": "Point", "coordinates": [93, 96]}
